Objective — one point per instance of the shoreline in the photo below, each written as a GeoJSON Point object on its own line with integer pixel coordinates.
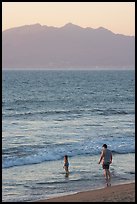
{"type": "Point", "coordinates": [124, 192]}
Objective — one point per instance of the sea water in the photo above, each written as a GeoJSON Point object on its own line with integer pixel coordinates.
{"type": "Point", "coordinates": [47, 114]}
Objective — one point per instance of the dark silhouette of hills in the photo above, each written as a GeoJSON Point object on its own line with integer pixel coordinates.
{"type": "Point", "coordinates": [70, 46]}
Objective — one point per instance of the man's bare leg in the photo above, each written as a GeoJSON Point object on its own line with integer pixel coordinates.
{"type": "Point", "coordinates": [106, 176]}
{"type": "Point", "coordinates": [109, 177]}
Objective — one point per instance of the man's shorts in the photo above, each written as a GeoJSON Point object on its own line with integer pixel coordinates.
{"type": "Point", "coordinates": [105, 166]}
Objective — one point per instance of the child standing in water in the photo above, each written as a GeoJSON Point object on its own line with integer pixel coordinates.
{"type": "Point", "coordinates": [66, 164]}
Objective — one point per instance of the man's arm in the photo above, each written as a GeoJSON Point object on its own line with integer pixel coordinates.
{"type": "Point", "coordinates": [111, 158]}
{"type": "Point", "coordinates": [101, 157]}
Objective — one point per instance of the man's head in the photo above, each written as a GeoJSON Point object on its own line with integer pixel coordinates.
{"type": "Point", "coordinates": [104, 145]}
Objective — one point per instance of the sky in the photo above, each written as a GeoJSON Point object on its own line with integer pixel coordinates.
{"type": "Point", "coordinates": [119, 17]}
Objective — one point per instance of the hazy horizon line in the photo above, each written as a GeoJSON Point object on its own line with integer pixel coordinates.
{"type": "Point", "coordinates": [72, 69]}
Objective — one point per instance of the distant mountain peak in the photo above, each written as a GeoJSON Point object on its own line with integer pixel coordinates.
{"type": "Point", "coordinates": [35, 26]}
{"type": "Point", "coordinates": [71, 25]}
{"type": "Point", "coordinates": [103, 29]}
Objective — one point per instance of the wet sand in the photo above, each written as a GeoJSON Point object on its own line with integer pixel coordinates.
{"type": "Point", "coordinates": [115, 193]}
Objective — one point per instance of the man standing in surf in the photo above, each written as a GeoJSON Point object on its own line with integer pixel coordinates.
{"type": "Point", "coordinates": [106, 158]}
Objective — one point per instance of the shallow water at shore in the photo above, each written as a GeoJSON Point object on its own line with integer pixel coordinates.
{"type": "Point", "coordinates": [48, 179]}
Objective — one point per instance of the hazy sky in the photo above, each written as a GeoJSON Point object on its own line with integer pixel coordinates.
{"type": "Point", "coordinates": [119, 17]}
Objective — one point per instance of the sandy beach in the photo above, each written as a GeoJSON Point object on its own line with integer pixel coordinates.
{"type": "Point", "coordinates": [116, 193]}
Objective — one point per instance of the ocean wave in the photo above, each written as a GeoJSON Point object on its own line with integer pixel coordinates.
{"type": "Point", "coordinates": [28, 155]}
{"type": "Point", "coordinates": [105, 112]}
{"type": "Point", "coordinates": [108, 112]}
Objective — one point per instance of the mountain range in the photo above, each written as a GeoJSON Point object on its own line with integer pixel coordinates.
{"type": "Point", "coordinates": [70, 46]}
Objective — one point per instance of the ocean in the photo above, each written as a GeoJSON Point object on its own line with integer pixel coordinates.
{"type": "Point", "coordinates": [47, 114]}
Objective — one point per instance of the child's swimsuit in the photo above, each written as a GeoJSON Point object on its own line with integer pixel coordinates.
{"type": "Point", "coordinates": [66, 164]}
